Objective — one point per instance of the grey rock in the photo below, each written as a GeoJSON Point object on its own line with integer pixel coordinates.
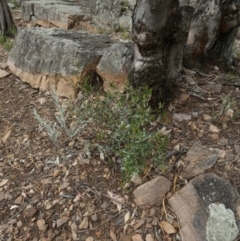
{"type": "Point", "coordinates": [113, 14]}
{"type": "Point", "coordinates": [54, 13]}
{"type": "Point", "coordinates": [115, 65]}
{"type": "Point", "coordinates": [208, 209]}
{"type": "Point", "coordinates": [54, 58]}
{"type": "Point", "coordinates": [221, 219]}
{"type": "Point", "coordinates": [198, 160]}
{"type": "Point", "coordinates": [152, 192]}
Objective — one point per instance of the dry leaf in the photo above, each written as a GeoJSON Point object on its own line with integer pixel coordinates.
{"type": "Point", "coordinates": [3, 182]}
{"type": "Point", "coordinates": [137, 237]}
{"type": "Point", "coordinates": [118, 199]}
{"type": "Point", "coordinates": [6, 135]}
{"type": "Point", "coordinates": [193, 126]}
{"type": "Point", "coordinates": [125, 228]}
{"type": "Point", "coordinates": [77, 198]}
{"type": "Point", "coordinates": [138, 224]}
{"type": "Point", "coordinates": [74, 227]}
{"type": "Point", "coordinates": [74, 235]}
{"type": "Point", "coordinates": [41, 225]}
{"type": "Point", "coordinates": [84, 223]}
{"type": "Point", "coordinates": [127, 216]}
{"type": "Point", "coordinates": [167, 227]}
{"type": "Point", "coordinates": [102, 156]}
{"type": "Point", "coordinates": [13, 207]}
{"type": "Point", "coordinates": [149, 237]}
{"type": "Point", "coordinates": [164, 131]}
{"type": "Point", "coordinates": [89, 239]}
{"type": "Point", "coordinates": [41, 100]}
{"type": "Point", "coordinates": [46, 181]}
{"type": "Point", "coordinates": [113, 236]}
{"type": "Point", "coordinates": [213, 129]}
{"type": "Point", "coordinates": [207, 117]}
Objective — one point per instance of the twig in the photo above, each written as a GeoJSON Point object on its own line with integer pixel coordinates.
{"type": "Point", "coordinates": [180, 233]}
{"type": "Point", "coordinates": [172, 153]}
{"type": "Point", "coordinates": [230, 84]}
{"type": "Point", "coordinates": [31, 158]}
{"type": "Point", "coordinates": [174, 182]}
{"type": "Point", "coordinates": [204, 75]}
{"type": "Point", "coordinates": [115, 200]}
{"type": "Point", "coordinates": [225, 163]}
{"type": "Point", "coordinates": [198, 96]}
{"type": "Point", "coordinates": [109, 219]}
{"type": "Point", "coordinates": [164, 207]}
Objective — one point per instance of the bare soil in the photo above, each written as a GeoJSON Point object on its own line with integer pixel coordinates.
{"type": "Point", "coordinates": [50, 193]}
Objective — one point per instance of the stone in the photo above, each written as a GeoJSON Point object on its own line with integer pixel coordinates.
{"type": "Point", "coordinates": [54, 13]}
{"type": "Point", "coordinates": [181, 117]}
{"type": "Point", "coordinates": [3, 73]}
{"type": "Point", "coordinates": [113, 14]}
{"type": "Point", "coordinates": [198, 160]}
{"type": "Point", "coordinates": [208, 209]}
{"type": "Point", "coordinates": [152, 192]}
{"type": "Point", "coordinates": [115, 65]}
{"type": "Point", "coordinates": [54, 58]}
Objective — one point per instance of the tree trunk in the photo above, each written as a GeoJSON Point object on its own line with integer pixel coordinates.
{"type": "Point", "coordinates": [222, 49]}
{"type": "Point", "coordinates": [160, 30]}
{"type": "Point", "coordinates": [7, 26]}
{"type": "Point", "coordinates": [212, 32]}
{"type": "Point", "coordinates": [167, 33]}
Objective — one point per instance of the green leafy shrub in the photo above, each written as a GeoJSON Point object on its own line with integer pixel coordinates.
{"type": "Point", "coordinates": [122, 127]}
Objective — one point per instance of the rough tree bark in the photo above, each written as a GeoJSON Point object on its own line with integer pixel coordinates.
{"type": "Point", "coordinates": [167, 33]}
{"type": "Point", "coordinates": [7, 25]}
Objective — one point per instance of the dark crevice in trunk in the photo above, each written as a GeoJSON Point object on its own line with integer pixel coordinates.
{"type": "Point", "coordinates": [222, 50]}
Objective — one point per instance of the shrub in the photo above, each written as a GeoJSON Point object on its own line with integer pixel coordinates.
{"type": "Point", "coordinates": [122, 127]}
